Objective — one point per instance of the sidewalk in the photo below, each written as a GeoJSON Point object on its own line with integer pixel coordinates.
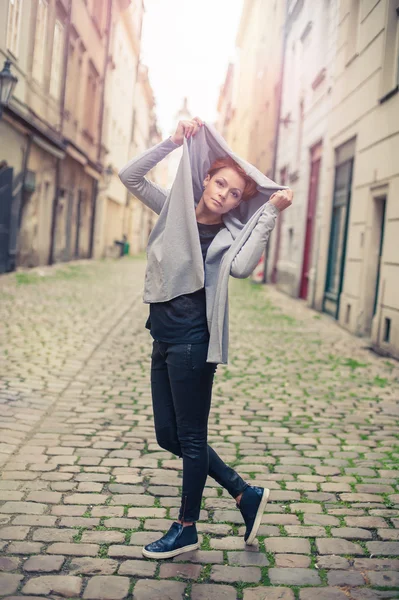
{"type": "Point", "coordinates": [302, 407]}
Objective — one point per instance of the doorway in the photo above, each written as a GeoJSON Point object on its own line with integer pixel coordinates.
{"type": "Point", "coordinates": [315, 162]}
{"type": "Point", "coordinates": [374, 260]}
{"type": "Point", "coordinates": [338, 237]}
{"type": "Point", "coordinates": [381, 209]}
{"type": "Point", "coordinates": [78, 223]}
{"type": "Point", "coordinates": [6, 178]}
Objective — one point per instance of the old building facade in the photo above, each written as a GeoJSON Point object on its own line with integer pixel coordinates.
{"type": "Point", "coordinates": [80, 172]}
{"type": "Point", "coordinates": [32, 37]}
{"type": "Point", "coordinates": [141, 219]}
{"type": "Point", "coordinates": [52, 128]}
{"type": "Point", "coordinates": [248, 102]}
{"type": "Point", "coordinates": [309, 61]}
{"type": "Point", "coordinates": [336, 147]}
{"type": "Point", "coordinates": [225, 103]}
{"type": "Point", "coordinates": [83, 105]}
{"type": "Point", "coordinates": [358, 259]}
{"type": "Point", "coordinates": [121, 87]}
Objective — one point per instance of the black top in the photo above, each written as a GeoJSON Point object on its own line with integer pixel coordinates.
{"type": "Point", "coordinates": [182, 320]}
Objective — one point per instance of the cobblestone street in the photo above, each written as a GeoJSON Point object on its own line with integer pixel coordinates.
{"type": "Point", "coordinates": [302, 408]}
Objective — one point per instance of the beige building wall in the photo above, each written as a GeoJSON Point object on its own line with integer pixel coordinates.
{"type": "Point", "coordinates": [311, 31]}
{"type": "Point", "coordinates": [245, 66]}
{"type": "Point", "coordinates": [248, 101]}
{"type": "Point", "coordinates": [63, 127]}
{"type": "Point", "coordinates": [80, 175]}
{"type": "Point", "coordinates": [365, 105]}
{"type": "Point", "coordinates": [140, 218]}
{"type": "Point", "coordinates": [248, 107]}
{"type": "Point", "coordinates": [36, 210]}
{"type": "Point", "coordinates": [118, 123]}
{"type": "Point", "coordinates": [225, 103]}
{"type": "Point", "coordinates": [266, 92]}
{"type": "Point", "coordinates": [85, 69]}
{"type": "Point", "coordinates": [32, 37]}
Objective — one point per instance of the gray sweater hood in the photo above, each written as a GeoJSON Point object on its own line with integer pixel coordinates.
{"type": "Point", "coordinates": [203, 149]}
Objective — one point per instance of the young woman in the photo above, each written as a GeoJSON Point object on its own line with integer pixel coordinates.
{"type": "Point", "coordinates": [214, 222]}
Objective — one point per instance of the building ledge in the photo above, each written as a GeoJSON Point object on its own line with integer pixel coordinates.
{"type": "Point", "coordinates": [320, 77]}
{"type": "Point", "coordinates": [389, 95]}
{"type": "Point", "coordinates": [351, 59]}
{"type": "Point", "coordinates": [51, 136]}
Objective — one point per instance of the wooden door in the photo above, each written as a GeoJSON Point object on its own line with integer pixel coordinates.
{"type": "Point", "coordinates": [315, 162]}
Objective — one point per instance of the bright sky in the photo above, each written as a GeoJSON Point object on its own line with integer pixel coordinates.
{"type": "Point", "coordinates": [187, 46]}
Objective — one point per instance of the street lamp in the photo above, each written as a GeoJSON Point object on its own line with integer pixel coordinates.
{"type": "Point", "coordinates": [8, 81]}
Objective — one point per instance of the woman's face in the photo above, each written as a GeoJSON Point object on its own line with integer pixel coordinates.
{"type": "Point", "coordinates": [223, 191]}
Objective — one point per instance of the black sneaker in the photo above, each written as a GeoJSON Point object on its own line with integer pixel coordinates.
{"type": "Point", "coordinates": [179, 539]}
{"type": "Point", "coordinates": [252, 505]}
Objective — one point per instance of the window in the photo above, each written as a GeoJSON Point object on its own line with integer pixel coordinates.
{"type": "Point", "coordinates": [343, 181]}
{"type": "Point", "coordinates": [40, 41]}
{"type": "Point", "coordinates": [91, 100]}
{"type": "Point", "coordinates": [56, 61]}
{"type": "Point", "coordinates": [390, 69]}
{"type": "Point", "coordinates": [71, 76]}
{"type": "Point", "coordinates": [387, 330]}
{"type": "Point", "coordinates": [13, 25]}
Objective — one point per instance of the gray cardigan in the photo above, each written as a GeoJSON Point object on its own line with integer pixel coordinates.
{"type": "Point", "coordinates": [175, 264]}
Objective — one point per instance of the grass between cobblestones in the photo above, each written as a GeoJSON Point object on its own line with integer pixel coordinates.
{"type": "Point", "coordinates": [301, 408]}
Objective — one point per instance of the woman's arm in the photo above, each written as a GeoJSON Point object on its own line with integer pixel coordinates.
{"type": "Point", "coordinates": [248, 257]}
{"type": "Point", "coordinates": [132, 175]}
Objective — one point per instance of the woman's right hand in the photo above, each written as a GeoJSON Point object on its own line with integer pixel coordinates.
{"type": "Point", "coordinates": [186, 129]}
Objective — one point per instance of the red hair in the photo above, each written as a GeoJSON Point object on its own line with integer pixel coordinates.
{"type": "Point", "coordinates": [250, 189]}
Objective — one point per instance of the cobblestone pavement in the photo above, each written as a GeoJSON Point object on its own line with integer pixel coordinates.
{"type": "Point", "coordinates": [302, 408]}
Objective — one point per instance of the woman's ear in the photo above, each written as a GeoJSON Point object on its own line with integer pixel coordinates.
{"type": "Point", "coordinates": [206, 180]}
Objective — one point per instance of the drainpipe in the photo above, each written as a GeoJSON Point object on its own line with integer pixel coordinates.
{"type": "Point", "coordinates": [23, 179]}
{"type": "Point", "coordinates": [93, 216]}
{"type": "Point", "coordinates": [100, 129]}
{"type": "Point", "coordinates": [102, 106]}
{"type": "Point", "coordinates": [17, 207]}
{"type": "Point", "coordinates": [277, 134]}
{"type": "Point", "coordinates": [62, 118]}
{"type": "Point", "coordinates": [54, 212]}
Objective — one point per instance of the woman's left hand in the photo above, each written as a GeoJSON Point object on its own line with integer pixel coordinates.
{"type": "Point", "coordinates": [282, 199]}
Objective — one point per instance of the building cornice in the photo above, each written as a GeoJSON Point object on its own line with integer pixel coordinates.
{"type": "Point", "coordinates": [14, 115]}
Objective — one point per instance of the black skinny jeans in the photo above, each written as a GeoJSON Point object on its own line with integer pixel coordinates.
{"type": "Point", "coordinates": [181, 384]}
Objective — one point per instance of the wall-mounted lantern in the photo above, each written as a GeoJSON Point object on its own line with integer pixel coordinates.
{"type": "Point", "coordinates": [8, 81]}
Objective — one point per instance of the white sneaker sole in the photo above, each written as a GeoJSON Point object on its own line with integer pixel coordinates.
{"type": "Point", "coordinates": [258, 517]}
{"type": "Point", "coordinates": [171, 553]}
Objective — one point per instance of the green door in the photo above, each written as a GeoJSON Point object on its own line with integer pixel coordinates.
{"type": "Point", "coordinates": [338, 237]}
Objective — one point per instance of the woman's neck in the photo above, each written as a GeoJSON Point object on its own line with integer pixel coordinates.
{"type": "Point", "coordinates": [206, 216]}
